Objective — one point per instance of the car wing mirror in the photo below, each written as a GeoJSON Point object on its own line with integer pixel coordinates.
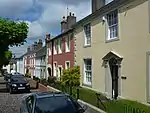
{"type": "Point", "coordinates": [82, 109]}
{"type": "Point", "coordinates": [85, 107]}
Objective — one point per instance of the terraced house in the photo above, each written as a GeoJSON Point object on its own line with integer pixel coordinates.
{"type": "Point", "coordinates": [60, 49]}
{"type": "Point", "coordinates": [112, 49]}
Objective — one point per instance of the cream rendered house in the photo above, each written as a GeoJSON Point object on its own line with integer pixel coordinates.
{"type": "Point", "coordinates": [112, 49]}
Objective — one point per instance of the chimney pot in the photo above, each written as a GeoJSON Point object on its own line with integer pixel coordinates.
{"type": "Point", "coordinates": [48, 37]}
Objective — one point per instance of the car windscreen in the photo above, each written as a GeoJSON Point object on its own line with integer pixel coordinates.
{"type": "Point", "coordinates": [19, 79]}
{"type": "Point", "coordinates": [54, 104]}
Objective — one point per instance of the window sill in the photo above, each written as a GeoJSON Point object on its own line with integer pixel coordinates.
{"type": "Point", "coordinates": [87, 85]}
{"type": "Point", "coordinates": [60, 53]}
{"type": "Point", "coordinates": [111, 40]}
{"type": "Point", "coordinates": [85, 46]}
{"type": "Point", "coordinates": [67, 51]}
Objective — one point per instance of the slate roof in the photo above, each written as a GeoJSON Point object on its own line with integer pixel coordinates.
{"type": "Point", "coordinates": [61, 34]}
{"type": "Point", "coordinates": [41, 52]}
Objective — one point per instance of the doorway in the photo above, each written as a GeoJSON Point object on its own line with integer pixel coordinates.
{"type": "Point", "coordinates": [112, 64]}
{"type": "Point", "coordinates": [49, 71]}
{"type": "Point", "coordinates": [114, 75]}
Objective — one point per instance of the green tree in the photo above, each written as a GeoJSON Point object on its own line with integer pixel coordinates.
{"type": "Point", "coordinates": [11, 34]}
{"type": "Point", "coordinates": [71, 77]}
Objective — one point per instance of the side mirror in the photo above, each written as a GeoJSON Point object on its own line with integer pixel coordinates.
{"type": "Point", "coordinates": [85, 107]}
{"type": "Point", "coordinates": [82, 109]}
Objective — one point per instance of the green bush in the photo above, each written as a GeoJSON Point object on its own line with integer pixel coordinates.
{"type": "Point", "coordinates": [44, 82]}
{"type": "Point", "coordinates": [28, 75]}
{"type": "Point", "coordinates": [71, 77]}
{"type": "Point", "coordinates": [52, 80]}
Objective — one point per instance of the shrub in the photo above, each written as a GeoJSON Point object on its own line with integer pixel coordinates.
{"type": "Point", "coordinates": [52, 80]}
{"type": "Point", "coordinates": [28, 75]}
{"type": "Point", "coordinates": [44, 82]}
{"type": "Point", "coordinates": [71, 77]}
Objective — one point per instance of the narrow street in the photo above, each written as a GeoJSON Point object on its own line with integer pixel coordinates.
{"type": "Point", "coordinates": [10, 103]}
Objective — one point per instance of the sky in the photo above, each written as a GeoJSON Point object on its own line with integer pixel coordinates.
{"type": "Point", "coordinates": [42, 16]}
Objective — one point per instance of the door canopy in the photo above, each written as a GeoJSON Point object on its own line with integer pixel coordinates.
{"type": "Point", "coordinates": [113, 55]}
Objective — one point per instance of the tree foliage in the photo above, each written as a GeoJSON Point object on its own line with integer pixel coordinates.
{"type": "Point", "coordinates": [11, 34]}
{"type": "Point", "coordinates": [71, 77]}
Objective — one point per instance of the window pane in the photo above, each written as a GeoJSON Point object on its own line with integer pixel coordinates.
{"type": "Point", "coordinates": [112, 19]}
{"type": "Point", "coordinates": [87, 31]}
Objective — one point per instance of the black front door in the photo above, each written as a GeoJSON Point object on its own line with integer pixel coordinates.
{"type": "Point", "coordinates": [114, 74]}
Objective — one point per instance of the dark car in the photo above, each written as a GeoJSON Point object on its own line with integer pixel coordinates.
{"type": "Point", "coordinates": [9, 75]}
{"type": "Point", "coordinates": [18, 83]}
{"type": "Point", "coordinates": [50, 102]}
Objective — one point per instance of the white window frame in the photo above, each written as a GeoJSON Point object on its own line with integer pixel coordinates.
{"type": "Point", "coordinates": [112, 30]}
{"type": "Point", "coordinates": [60, 47]}
{"type": "Point", "coordinates": [60, 66]}
{"type": "Point", "coordinates": [55, 70]}
{"type": "Point", "coordinates": [49, 50]}
{"type": "Point", "coordinates": [55, 47]}
{"type": "Point", "coordinates": [66, 64]}
{"type": "Point", "coordinates": [86, 81]}
{"type": "Point", "coordinates": [87, 35]}
{"type": "Point", "coordinates": [67, 44]}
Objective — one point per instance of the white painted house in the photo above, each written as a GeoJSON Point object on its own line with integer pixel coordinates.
{"type": "Point", "coordinates": [20, 64]}
{"type": "Point", "coordinates": [40, 63]}
{"type": "Point", "coordinates": [11, 66]}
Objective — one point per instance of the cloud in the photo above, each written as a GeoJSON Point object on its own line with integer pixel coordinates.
{"type": "Point", "coordinates": [43, 16]}
{"type": "Point", "coordinates": [54, 11]}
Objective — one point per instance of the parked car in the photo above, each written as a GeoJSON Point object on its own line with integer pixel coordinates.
{"type": "Point", "coordinates": [17, 83]}
{"type": "Point", "coordinates": [9, 75]}
{"type": "Point", "coordinates": [50, 102]}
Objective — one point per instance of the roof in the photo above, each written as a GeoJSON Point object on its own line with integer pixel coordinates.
{"type": "Point", "coordinates": [112, 54]}
{"type": "Point", "coordinates": [41, 52]}
{"type": "Point", "coordinates": [21, 57]}
{"type": "Point", "coordinates": [63, 33]}
{"type": "Point", "coordinates": [103, 10]}
{"type": "Point", "coordinates": [49, 94]}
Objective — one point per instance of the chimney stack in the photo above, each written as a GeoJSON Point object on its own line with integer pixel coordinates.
{"type": "Point", "coordinates": [28, 49]}
{"type": "Point", "coordinates": [39, 44]}
{"type": "Point", "coordinates": [35, 46]}
{"type": "Point", "coordinates": [71, 20]}
{"type": "Point", "coordinates": [63, 24]}
{"type": "Point", "coordinates": [97, 4]}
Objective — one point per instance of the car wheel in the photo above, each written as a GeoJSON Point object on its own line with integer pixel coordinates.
{"type": "Point", "coordinates": [28, 91]}
{"type": "Point", "coordinates": [10, 91]}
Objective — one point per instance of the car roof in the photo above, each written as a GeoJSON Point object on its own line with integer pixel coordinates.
{"type": "Point", "coordinates": [18, 77]}
{"type": "Point", "coordinates": [49, 94]}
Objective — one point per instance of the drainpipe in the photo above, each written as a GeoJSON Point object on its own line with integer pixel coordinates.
{"type": "Point", "coordinates": [52, 57]}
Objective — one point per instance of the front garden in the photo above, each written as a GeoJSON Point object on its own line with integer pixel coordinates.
{"type": "Point", "coordinates": [70, 83]}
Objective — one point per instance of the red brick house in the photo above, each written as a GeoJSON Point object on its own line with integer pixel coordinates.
{"type": "Point", "coordinates": [60, 49]}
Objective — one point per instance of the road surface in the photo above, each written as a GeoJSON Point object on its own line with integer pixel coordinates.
{"type": "Point", "coordinates": [10, 103]}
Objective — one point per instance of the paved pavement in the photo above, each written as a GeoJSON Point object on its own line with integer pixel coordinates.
{"type": "Point", "coordinates": [10, 103]}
